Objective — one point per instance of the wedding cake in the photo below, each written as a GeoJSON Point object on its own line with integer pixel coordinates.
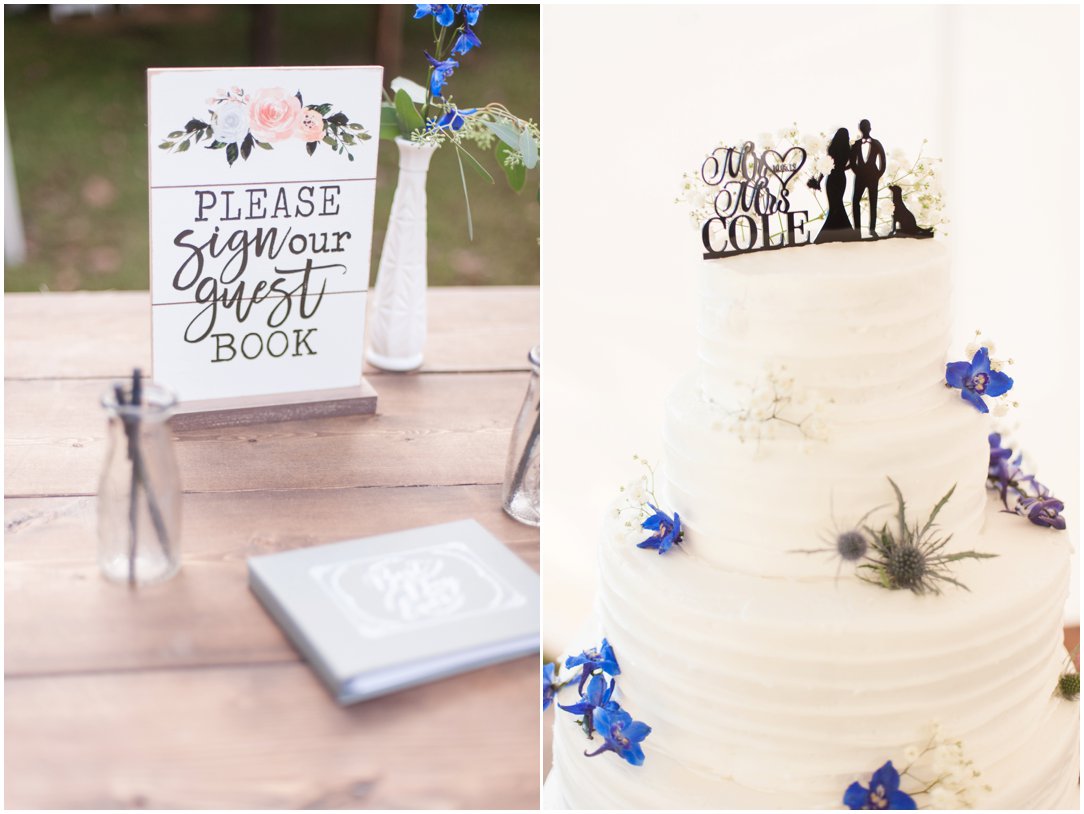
{"type": "Point", "coordinates": [777, 625]}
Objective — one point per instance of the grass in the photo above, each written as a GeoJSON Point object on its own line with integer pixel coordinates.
{"type": "Point", "coordinates": [75, 98]}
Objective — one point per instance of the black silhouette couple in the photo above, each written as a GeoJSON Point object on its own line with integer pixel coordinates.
{"type": "Point", "coordinates": [866, 159]}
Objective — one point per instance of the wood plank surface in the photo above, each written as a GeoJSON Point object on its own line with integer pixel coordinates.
{"type": "Point", "coordinates": [186, 694]}
{"type": "Point", "coordinates": [429, 430]}
{"type": "Point", "coordinates": [106, 334]}
{"type": "Point", "coordinates": [268, 736]}
{"type": "Point", "coordinates": [206, 615]}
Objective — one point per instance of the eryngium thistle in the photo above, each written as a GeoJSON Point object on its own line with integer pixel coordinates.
{"type": "Point", "coordinates": [911, 557]}
{"type": "Point", "coordinates": [852, 545]}
{"type": "Point", "coordinates": [1069, 686]}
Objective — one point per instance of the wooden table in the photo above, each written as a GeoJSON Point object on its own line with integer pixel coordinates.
{"type": "Point", "coordinates": [187, 695]}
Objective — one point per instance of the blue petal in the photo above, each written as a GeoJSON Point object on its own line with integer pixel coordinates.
{"type": "Point", "coordinates": [637, 731]}
{"type": "Point", "coordinates": [886, 776]}
{"type": "Point", "coordinates": [652, 523]}
{"type": "Point", "coordinates": [577, 709]}
{"type": "Point", "coordinates": [900, 801]}
{"type": "Point", "coordinates": [445, 15]}
{"type": "Point", "coordinates": [856, 796]}
{"type": "Point", "coordinates": [956, 373]}
{"type": "Point", "coordinates": [975, 399]}
{"type": "Point", "coordinates": [634, 755]}
{"type": "Point", "coordinates": [422, 10]}
{"type": "Point", "coordinates": [650, 542]}
{"type": "Point", "coordinates": [981, 362]}
{"type": "Point", "coordinates": [999, 383]}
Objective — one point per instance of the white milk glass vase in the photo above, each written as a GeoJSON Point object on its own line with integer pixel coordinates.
{"type": "Point", "coordinates": [397, 314]}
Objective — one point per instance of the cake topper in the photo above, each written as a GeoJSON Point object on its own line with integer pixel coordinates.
{"type": "Point", "coordinates": [747, 198]}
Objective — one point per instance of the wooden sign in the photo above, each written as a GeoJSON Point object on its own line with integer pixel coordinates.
{"type": "Point", "coordinates": [261, 196]}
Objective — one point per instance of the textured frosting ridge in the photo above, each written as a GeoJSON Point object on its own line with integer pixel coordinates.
{"type": "Point", "coordinates": [773, 679]}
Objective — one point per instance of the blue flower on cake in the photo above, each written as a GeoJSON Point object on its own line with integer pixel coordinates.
{"type": "Point", "coordinates": [666, 531]}
{"type": "Point", "coordinates": [592, 659]}
{"type": "Point", "coordinates": [550, 684]}
{"type": "Point", "coordinates": [1030, 498]}
{"type": "Point", "coordinates": [596, 697]}
{"type": "Point", "coordinates": [621, 734]}
{"type": "Point", "coordinates": [976, 379]}
{"type": "Point", "coordinates": [883, 792]}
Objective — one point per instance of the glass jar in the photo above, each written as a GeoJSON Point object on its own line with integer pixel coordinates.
{"type": "Point", "coordinates": [139, 494]}
{"type": "Point", "coordinates": [521, 495]}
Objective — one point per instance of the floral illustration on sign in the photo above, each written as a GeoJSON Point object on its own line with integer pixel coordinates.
{"type": "Point", "coordinates": [238, 122]}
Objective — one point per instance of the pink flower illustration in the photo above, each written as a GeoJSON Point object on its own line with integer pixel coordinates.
{"type": "Point", "coordinates": [274, 114]}
{"type": "Point", "coordinates": [310, 125]}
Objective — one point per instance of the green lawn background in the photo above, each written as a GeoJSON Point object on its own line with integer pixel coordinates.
{"type": "Point", "coordinates": [75, 100]}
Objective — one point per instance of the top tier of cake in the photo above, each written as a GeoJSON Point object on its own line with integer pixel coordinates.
{"type": "Point", "coordinates": [852, 338]}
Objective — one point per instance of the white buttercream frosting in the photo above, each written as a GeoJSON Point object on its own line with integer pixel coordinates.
{"type": "Point", "coordinates": [773, 679]}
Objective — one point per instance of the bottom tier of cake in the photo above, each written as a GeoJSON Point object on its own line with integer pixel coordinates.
{"type": "Point", "coordinates": [779, 693]}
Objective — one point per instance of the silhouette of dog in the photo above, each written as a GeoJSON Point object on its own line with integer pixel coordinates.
{"type": "Point", "coordinates": [903, 222]}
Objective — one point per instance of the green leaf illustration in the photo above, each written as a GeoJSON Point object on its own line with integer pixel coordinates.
{"type": "Point", "coordinates": [176, 134]}
{"type": "Point", "coordinates": [184, 145]}
{"type": "Point", "coordinates": [330, 142]}
{"type": "Point", "coordinates": [263, 145]}
{"type": "Point", "coordinates": [216, 145]}
{"type": "Point", "coordinates": [246, 147]}
{"type": "Point", "coordinates": [231, 153]}
{"type": "Point", "coordinates": [311, 147]}
{"type": "Point", "coordinates": [165, 145]}
{"type": "Point", "coordinates": [338, 119]}
{"type": "Point", "coordinates": [323, 109]}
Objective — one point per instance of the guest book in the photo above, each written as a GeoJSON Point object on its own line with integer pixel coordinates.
{"type": "Point", "coordinates": [383, 613]}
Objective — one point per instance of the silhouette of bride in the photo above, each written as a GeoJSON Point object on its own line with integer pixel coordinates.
{"type": "Point", "coordinates": [837, 226]}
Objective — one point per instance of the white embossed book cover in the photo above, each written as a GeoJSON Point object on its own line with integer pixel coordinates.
{"type": "Point", "coordinates": [387, 612]}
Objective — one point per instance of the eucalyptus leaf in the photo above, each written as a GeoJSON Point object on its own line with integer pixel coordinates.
{"type": "Point", "coordinates": [504, 131]}
{"type": "Point", "coordinates": [528, 148]}
{"type": "Point", "coordinates": [466, 197]}
{"type": "Point", "coordinates": [475, 164]}
{"type": "Point", "coordinates": [410, 120]}
{"type": "Point", "coordinates": [517, 173]}
{"type": "Point", "coordinates": [184, 145]}
{"type": "Point", "coordinates": [176, 134]}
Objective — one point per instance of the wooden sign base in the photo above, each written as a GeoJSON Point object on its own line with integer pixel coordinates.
{"type": "Point", "coordinates": [237, 412]}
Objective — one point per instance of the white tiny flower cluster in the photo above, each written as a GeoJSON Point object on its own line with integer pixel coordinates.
{"type": "Point", "coordinates": [920, 185]}
{"type": "Point", "coordinates": [636, 494]}
{"type": "Point", "coordinates": [774, 401]}
{"type": "Point", "coordinates": [1002, 403]}
{"type": "Point", "coordinates": [943, 772]}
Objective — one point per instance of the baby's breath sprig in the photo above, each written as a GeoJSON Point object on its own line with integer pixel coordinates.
{"type": "Point", "coordinates": [772, 400]}
{"type": "Point", "coordinates": [638, 494]}
{"type": "Point", "coordinates": [942, 772]}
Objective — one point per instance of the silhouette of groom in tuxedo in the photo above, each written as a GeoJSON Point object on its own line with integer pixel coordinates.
{"type": "Point", "coordinates": [868, 165]}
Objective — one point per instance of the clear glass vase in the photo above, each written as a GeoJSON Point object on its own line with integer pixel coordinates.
{"type": "Point", "coordinates": [522, 493]}
{"type": "Point", "coordinates": [139, 494]}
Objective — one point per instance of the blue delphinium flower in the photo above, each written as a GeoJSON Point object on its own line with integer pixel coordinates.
{"type": "Point", "coordinates": [466, 40]}
{"type": "Point", "coordinates": [444, 13]}
{"type": "Point", "coordinates": [550, 685]}
{"type": "Point", "coordinates": [601, 659]}
{"type": "Point", "coordinates": [975, 379]}
{"type": "Point", "coordinates": [442, 70]}
{"type": "Point", "coordinates": [621, 735]}
{"type": "Point", "coordinates": [470, 11]}
{"type": "Point", "coordinates": [1043, 510]}
{"type": "Point", "coordinates": [883, 792]}
{"type": "Point", "coordinates": [667, 531]}
{"type": "Point", "coordinates": [454, 118]}
{"type": "Point", "coordinates": [596, 697]}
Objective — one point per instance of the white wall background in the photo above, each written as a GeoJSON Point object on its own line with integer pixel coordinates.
{"type": "Point", "coordinates": [634, 96]}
